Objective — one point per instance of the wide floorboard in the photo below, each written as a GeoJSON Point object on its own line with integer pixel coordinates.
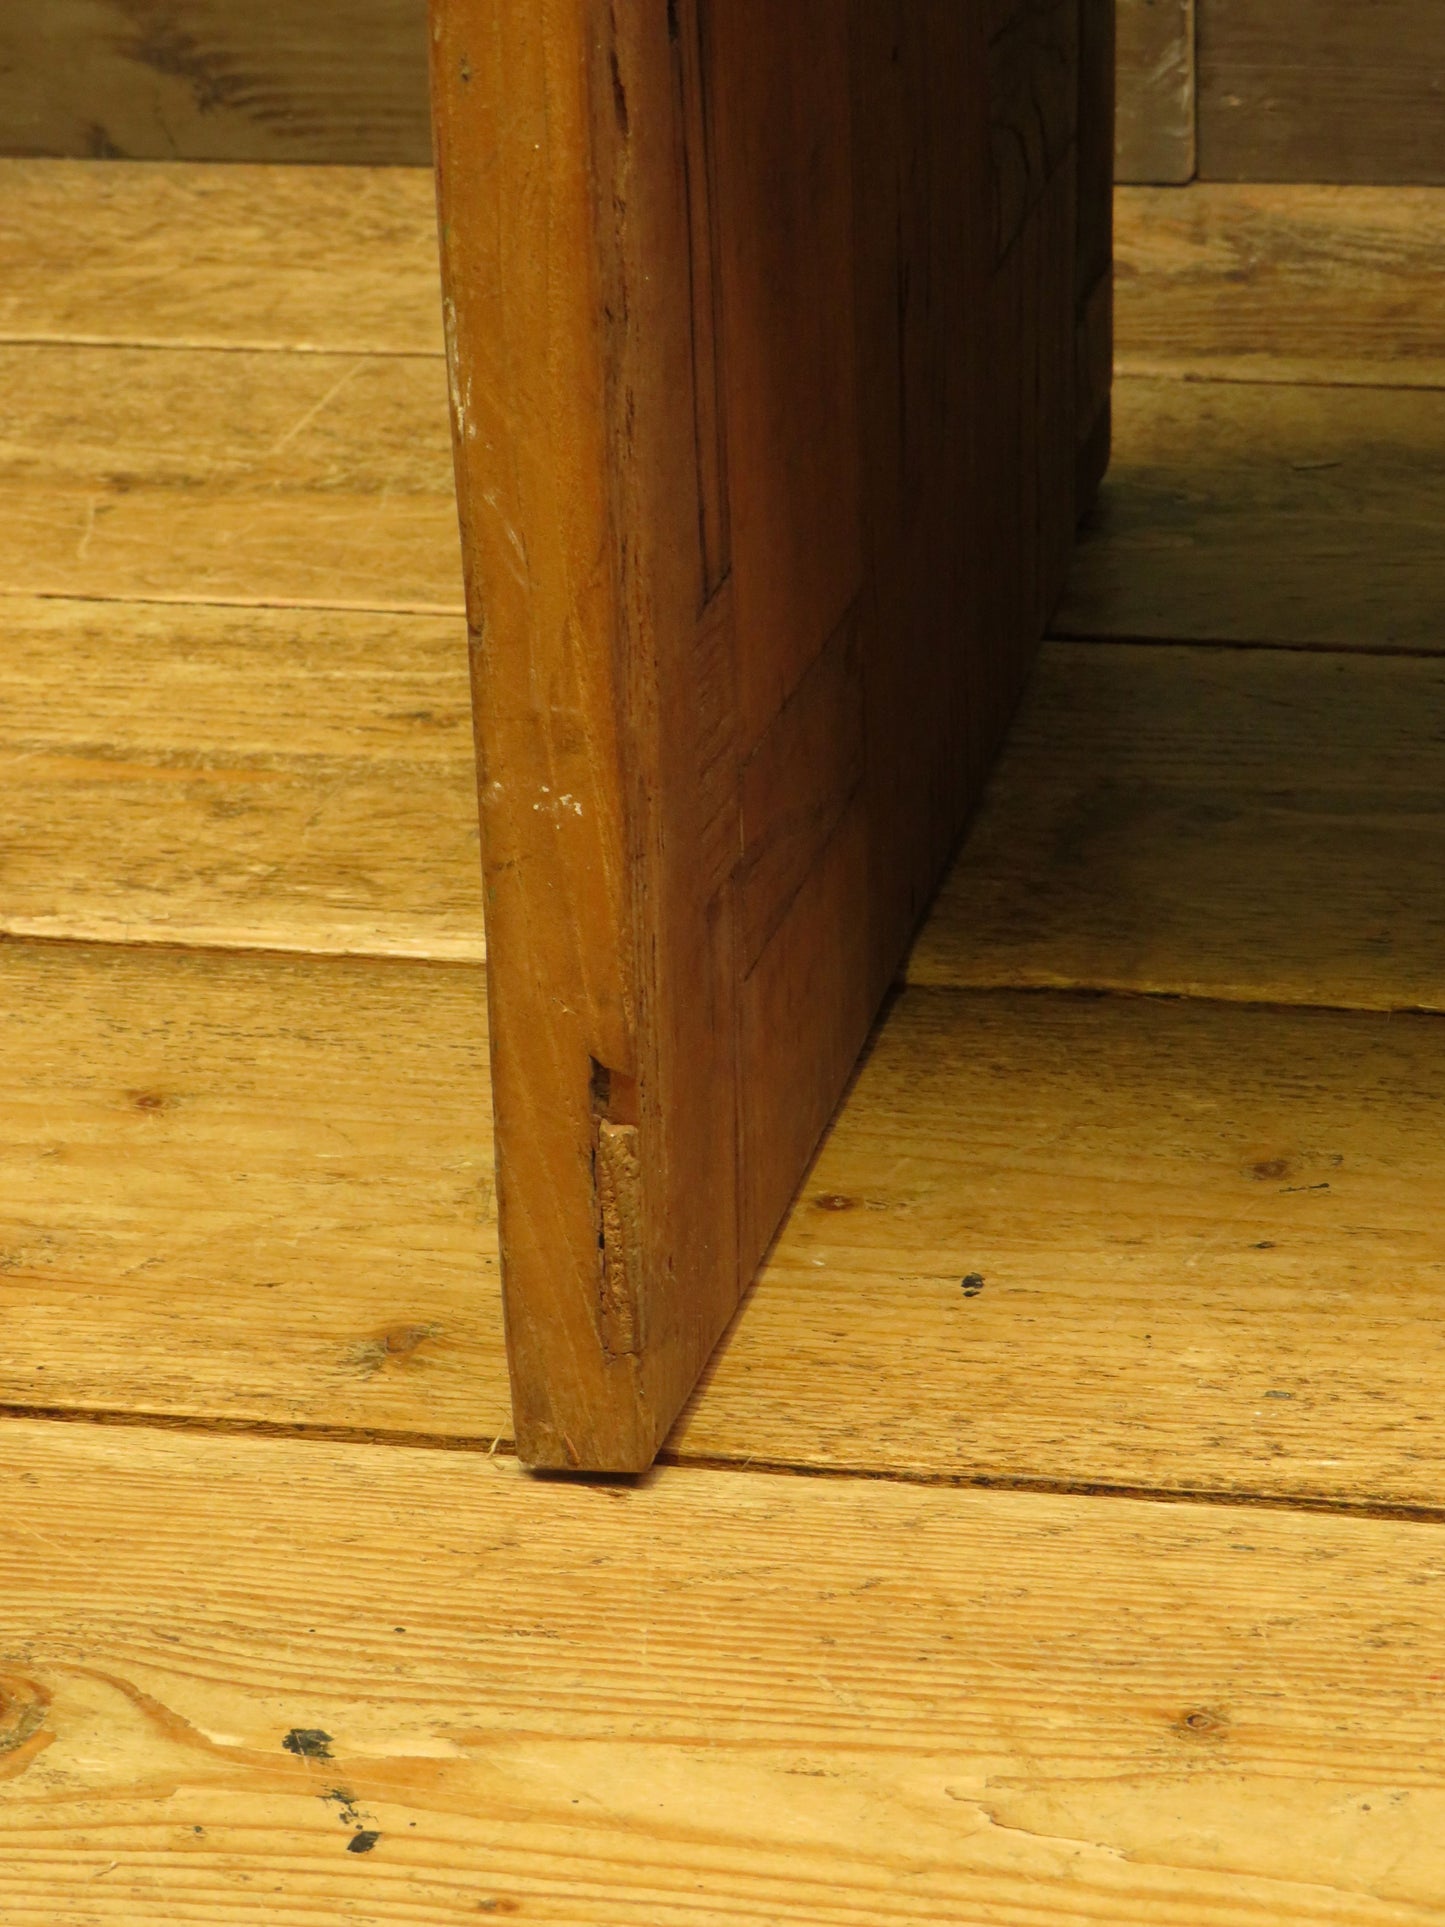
{"type": "Point", "coordinates": [328, 1684]}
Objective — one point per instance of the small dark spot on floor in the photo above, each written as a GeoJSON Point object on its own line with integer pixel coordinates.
{"type": "Point", "coordinates": [1279, 1394]}
{"type": "Point", "coordinates": [499, 1907]}
{"type": "Point", "coordinates": [973, 1284]}
{"type": "Point", "coordinates": [1265, 1244]}
{"type": "Point", "coordinates": [834, 1201]}
{"type": "Point", "coordinates": [1267, 1170]}
{"type": "Point", "coordinates": [308, 1743]}
{"type": "Point", "coordinates": [148, 1100]}
{"type": "Point", "coordinates": [362, 1842]}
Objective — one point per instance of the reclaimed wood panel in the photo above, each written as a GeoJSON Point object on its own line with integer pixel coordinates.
{"type": "Point", "coordinates": [191, 476]}
{"type": "Point", "coordinates": [1267, 513]}
{"type": "Point", "coordinates": [1183, 1248]}
{"type": "Point", "coordinates": [260, 779]}
{"type": "Point", "coordinates": [813, 368]}
{"type": "Point", "coordinates": [1156, 132]}
{"type": "Point", "coordinates": [248, 1189]}
{"type": "Point", "coordinates": [1267, 827]}
{"type": "Point", "coordinates": [327, 1683]}
{"type": "Point", "coordinates": [185, 255]}
{"type": "Point", "coordinates": [1321, 90]}
{"type": "Point", "coordinates": [203, 80]}
{"type": "Point", "coordinates": [1281, 283]}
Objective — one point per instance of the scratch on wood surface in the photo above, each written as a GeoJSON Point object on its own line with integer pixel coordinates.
{"type": "Point", "coordinates": [309, 415]}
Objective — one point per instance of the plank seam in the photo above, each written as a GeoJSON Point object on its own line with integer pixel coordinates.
{"type": "Point", "coordinates": [173, 946]}
{"type": "Point", "coordinates": [22, 339]}
{"type": "Point", "coordinates": [1378, 652]}
{"type": "Point", "coordinates": [502, 1446]}
{"type": "Point", "coordinates": [158, 600]}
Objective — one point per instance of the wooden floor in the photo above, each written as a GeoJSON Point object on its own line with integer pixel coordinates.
{"type": "Point", "coordinates": [1059, 1536]}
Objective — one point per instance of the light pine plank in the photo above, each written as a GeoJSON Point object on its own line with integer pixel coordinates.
{"type": "Point", "coordinates": [1209, 1240]}
{"type": "Point", "coordinates": [702, 1700]}
{"type": "Point", "coordinates": [262, 779]}
{"type": "Point", "coordinates": [1267, 826]}
{"type": "Point", "coordinates": [1267, 513]}
{"type": "Point", "coordinates": [1281, 283]}
{"type": "Point", "coordinates": [1155, 132]}
{"type": "Point", "coordinates": [184, 475]}
{"type": "Point", "coordinates": [266, 1182]}
{"type": "Point", "coordinates": [205, 80]}
{"type": "Point", "coordinates": [342, 259]}
{"type": "Point", "coordinates": [248, 1189]}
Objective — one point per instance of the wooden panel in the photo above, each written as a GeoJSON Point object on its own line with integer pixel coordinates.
{"type": "Point", "coordinates": [248, 1189]}
{"type": "Point", "coordinates": [1093, 371]}
{"type": "Point", "coordinates": [230, 477]}
{"type": "Point", "coordinates": [264, 779]}
{"type": "Point", "coordinates": [1033, 94]}
{"type": "Point", "coordinates": [1267, 827]}
{"type": "Point", "coordinates": [1321, 90]}
{"type": "Point", "coordinates": [341, 259]}
{"type": "Point", "coordinates": [817, 368]}
{"type": "Point", "coordinates": [1156, 134]}
{"type": "Point", "coordinates": [1111, 1243]}
{"type": "Point", "coordinates": [1253, 513]}
{"type": "Point", "coordinates": [1321, 284]}
{"type": "Point", "coordinates": [282, 80]}
{"type": "Point", "coordinates": [418, 1687]}
{"type": "Point", "coordinates": [785, 829]}
{"type": "Point", "coordinates": [785, 156]}
{"type": "Point", "coordinates": [568, 624]}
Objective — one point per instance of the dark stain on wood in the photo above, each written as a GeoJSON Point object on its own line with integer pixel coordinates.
{"type": "Point", "coordinates": [308, 1743]}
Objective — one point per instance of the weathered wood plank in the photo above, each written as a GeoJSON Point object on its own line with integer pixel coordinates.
{"type": "Point", "coordinates": [248, 1188]}
{"type": "Point", "coordinates": [194, 476]}
{"type": "Point", "coordinates": [342, 259]}
{"type": "Point", "coordinates": [1321, 90]}
{"type": "Point", "coordinates": [262, 779]}
{"type": "Point", "coordinates": [1181, 1247]}
{"type": "Point", "coordinates": [332, 1683]}
{"type": "Point", "coordinates": [1267, 513]}
{"type": "Point", "coordinates": [257, 1191]}
{"type": "Point", "coordinates": [1281, 283]}
{"type": "Point", "coordinates": [1156, 131]}
{"type": "Point", "coordinates": [203, 80]}
{"type": "Point", "coordinates": [1267, 827]}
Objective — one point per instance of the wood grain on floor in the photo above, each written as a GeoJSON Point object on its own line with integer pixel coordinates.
{"type": "Point", "coordinates": [327, 1683]}
{"type": "Point", "coordinates": [1267, 513]}
{"type": "Point", "coordinates": [208, 475]}
{"type": "Point", "coordinates": [1280, 283]}
{"type": "Point", "coordinates": [1264, 825]}
{"type": "Point", "coordinates": [258, 1191]}
{"type": "Point", "coordinates": [204, 80]}
{"type": "Point", "coordinates": [248, 1188]}
{"type": "Point", "coordinates": [1321, 90]}
{"type": "Point", "coordinates": [254, 778]}
{"type": "Point", "coordinates": [342, 259]}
